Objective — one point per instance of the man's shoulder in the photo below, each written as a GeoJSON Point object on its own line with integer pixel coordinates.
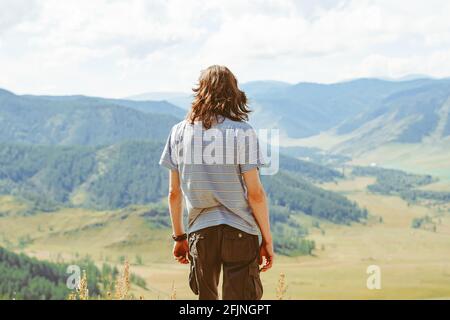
{"type": "Point", "coordinates": [178, 126]}
{"type": "Point", "coordinates": [232, 124]}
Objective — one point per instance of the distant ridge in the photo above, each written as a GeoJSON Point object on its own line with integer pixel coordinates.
{"type": "Point", "coordinates": [305, 109]}
{"type": "Point", "coordinates": [410, 77]}
{"type": "Point", "coordinates": [81, 120]}
{"type": "Point", "coordinates": [5, 92]}
{"type": "Point", "coordinates": [411, 116]}
{"type": "Point", "coordinates": [180, 99]}
{"type": "Point", "coordinates": [298, 110]}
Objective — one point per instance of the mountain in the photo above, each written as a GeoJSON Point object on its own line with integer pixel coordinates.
{"type": "Point", "coordinates": [264, 87]}
{"type": "Point", "coordinates": [180, 99]}
{"type": "Point", "coordinates": [100, 177]}
{"type": "Point", "coordinates": [95, 153]}
{"type": "Point", "coordinates": [82, 120]}
{"type": "Point", "coordinates": [160, 106]}
{"type": "Point", "coordinates": [409, 77]}
{"type": "Point", "coordinates": [297, 194]}
{"type": "Point", "coordinates": [418, 115]}
{"type": "Point", "coordinates": [305, 109]}
{"type": "Point", "coordinates": [128, 173]}
{"type": "Point", "coordinates": [308, 170]}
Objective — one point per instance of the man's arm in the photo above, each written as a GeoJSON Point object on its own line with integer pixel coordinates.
{"type": "Point", "coordinates": [181, 248]}
{"type": "Point", "coordinates": [258, 202]}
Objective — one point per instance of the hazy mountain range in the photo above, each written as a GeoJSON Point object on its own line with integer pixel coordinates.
{"type": "Point", "coordinates": [180, 99]}
{"type": "Point", "coordinates": [103, 153]}
{"type": "Point", "coordinates": [306, 109]}
{"type": "Point", "coordinates": [82, 120]}
{"type": "Point", "coordinates": [80, 151]}
{"type": "Point", "coordinates": [416, 115]}
{"type": "Point", "coordinates": [365, 112]}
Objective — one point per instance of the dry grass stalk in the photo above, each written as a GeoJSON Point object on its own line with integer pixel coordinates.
{"type": "Point", "coordinates": [281, 287]}
{"type": "Point", "coordinates": [173, 293]}
{"type": "Point", "coordinates": [72, 296]}
{"type": "Point", "coordinates": [83, 291]}
{"type": "Point", "coordinates": [122, 288]}
{"type": "Point", "coordinates": [123, 283]}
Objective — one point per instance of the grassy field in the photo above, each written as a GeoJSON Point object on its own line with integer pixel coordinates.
{"type": "Point", "coordinates": [416, 158]}
{"type": "Point", "coordinates": [415, 263]}
{"type": "Point", "coordinates": [428, 157]}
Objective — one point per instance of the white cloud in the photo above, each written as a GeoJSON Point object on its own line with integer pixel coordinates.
{"type": "Point", "coordinates": [13, 13]}
{"type": "Point", "coordinates": [117, 48]}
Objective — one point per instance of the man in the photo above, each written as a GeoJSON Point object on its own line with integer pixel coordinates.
{"type": "Point", "coordinates": [214, 160]}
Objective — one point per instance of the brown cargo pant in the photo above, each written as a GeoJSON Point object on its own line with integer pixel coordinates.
{"type": "Point", "coordinates": [238, 253]}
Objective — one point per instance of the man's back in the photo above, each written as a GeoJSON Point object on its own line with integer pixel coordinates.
{"type": "Point", "coordinates": [213, 188]}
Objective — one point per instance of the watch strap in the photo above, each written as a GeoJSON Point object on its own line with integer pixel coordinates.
{"type": "Point", "coordinates": [181, 237]}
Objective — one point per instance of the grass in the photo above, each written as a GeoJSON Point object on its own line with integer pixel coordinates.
{"type": "Point", "coordinates": [281, 287]}
{"type": "Point", "coordinates": [121, 290]}
{"type": "Point", "coordinates": [416, 158]}
{"type": "Point", "coordinates": [428, 157]}
{"type": "Point", "coordinates": [9, 204]}
{"type": "Point", "coordinates": [414, 263]}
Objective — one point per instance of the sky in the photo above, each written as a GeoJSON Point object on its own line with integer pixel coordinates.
{"type": "Point", "coordinates": [118, 48]}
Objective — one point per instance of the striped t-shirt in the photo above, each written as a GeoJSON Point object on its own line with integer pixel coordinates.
{"type": "Point", "coordinates": [210, 164]}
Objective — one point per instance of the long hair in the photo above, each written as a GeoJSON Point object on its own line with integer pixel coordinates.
{"type": "Point", "coordinates": [218, 94]}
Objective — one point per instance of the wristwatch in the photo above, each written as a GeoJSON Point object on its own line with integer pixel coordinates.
{"type": "Point", "coordinates": [180, 237]}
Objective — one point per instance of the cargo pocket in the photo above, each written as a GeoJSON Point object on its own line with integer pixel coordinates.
{"type": "Point", "coordinates": [254, 286]}
{"type": "Point", "coordinates": [237, 246]}
{"type": "Point", "coordinates": [193, 283]}
{"type": "Point", "coordinates": [193, 257]}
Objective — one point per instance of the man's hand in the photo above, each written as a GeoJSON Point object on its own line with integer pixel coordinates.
{"type": "Point", "coordinates": [181, 251]}
{"type": "Point", "coordinates": [266, 256]}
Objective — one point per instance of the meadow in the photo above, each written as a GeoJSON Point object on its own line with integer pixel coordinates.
{"type": "Point", "coordinates": [414, 263]}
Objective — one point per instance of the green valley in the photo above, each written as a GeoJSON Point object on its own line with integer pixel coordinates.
{"type": "Point", "coordinates": [364, 180]}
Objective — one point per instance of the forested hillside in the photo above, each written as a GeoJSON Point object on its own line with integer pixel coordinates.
{"type": "Point", "coordinates": [128, 173]}
{"type": "Point", "coordinates": [308, 170]}
{"type": "Point", "coordinates": [22, 277]}
{"type": "Point", "coordinates": [100, 177]}
{"type": "Point", "coordinates": [296, 194]}
{"type": "Point", "coordinates": [399, 183]}
{"type": "Point", "coordinates": [81, 121]}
